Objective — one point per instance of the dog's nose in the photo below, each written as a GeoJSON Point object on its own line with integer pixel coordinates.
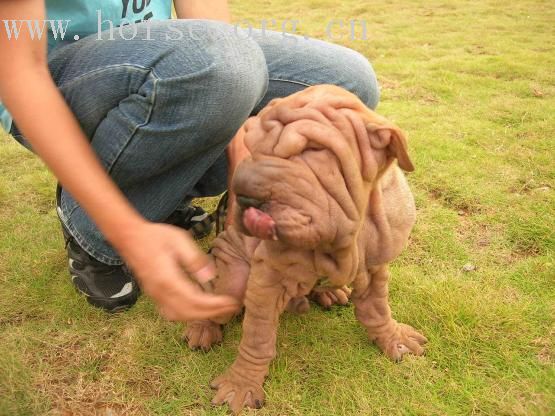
{"type": "Point", "coordinates": [247, 202]}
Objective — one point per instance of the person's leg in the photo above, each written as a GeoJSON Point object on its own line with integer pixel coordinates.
{"type": "Point", "coordinates": [295, 63]}
{"type": "Point", "coordinates": [158, 112]}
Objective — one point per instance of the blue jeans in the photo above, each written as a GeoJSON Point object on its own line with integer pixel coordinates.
{"type": "Point", "coordinates": [159, 113]}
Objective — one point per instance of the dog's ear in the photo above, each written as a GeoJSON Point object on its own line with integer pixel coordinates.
{"type": "Point", "coordinates": [392, 138]}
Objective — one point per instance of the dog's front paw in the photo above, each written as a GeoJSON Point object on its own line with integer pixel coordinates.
{"type": "Point", "coordinates": [237, 391]}
{"type": "Point", "coordinates": [401, 340]}
{"type": "Point", "coordinates": [329, 297]}
{"type": "Point", "coordinates": [202, 334]}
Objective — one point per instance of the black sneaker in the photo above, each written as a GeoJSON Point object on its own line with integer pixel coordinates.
{"type": "Point", "coordinates": [219, 216]}
{"type": "Point", "coordinates": [194, 219]}
{"type": "Point", "coordinates": [112, 288]}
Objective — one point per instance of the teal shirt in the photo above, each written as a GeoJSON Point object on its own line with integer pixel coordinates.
{"type": "Point", "coordinates": [5, 118]}
{"type": "Point", "coordinates": [80, 18]}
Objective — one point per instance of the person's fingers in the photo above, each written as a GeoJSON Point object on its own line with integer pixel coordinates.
{"type": "Point", "coordinates": [174, 310]}
{"type": "Point", "coordinates": [204, 305]}
{"type": "Point", "coordinates": [195, 261]}
{"type": "Point", "coordinates": [167, 313]}
{"type": "Point", "coordinates": [182, 300]}
{"type": "Point", "coordinates": [212, 313]}
{"type": "Point", "coordinates": [169, 285]}
{"type": "Point", "coordinates": [195, 312]}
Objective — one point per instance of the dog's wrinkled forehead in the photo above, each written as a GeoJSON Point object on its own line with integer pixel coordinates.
{"type": "Point", "coordinates": [314, 118]}
{"type": "Point", "coordinates": [319, 117]}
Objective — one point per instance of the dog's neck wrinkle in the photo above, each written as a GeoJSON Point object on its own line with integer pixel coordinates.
{"type": "Point", "coordinates": [338, 261]}
{"type": "Point", "coordinates": [376, 215]}
{"type": "Point", "coordinates": [375, 205]}
{"type": "Point", "coordinates": [339, 267]}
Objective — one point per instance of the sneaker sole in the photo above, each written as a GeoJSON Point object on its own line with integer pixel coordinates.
{"type": "Point", "coordinates": [109, 305]}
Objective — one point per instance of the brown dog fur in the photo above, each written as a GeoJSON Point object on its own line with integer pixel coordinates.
{"type": "Point", "coordinates": [328, 171]}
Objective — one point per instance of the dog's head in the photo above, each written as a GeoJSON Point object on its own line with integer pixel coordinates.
{"type": "Point", "coordinates": [315, 157]}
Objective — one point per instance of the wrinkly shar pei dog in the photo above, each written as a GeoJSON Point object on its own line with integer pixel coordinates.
{"type": "Point", "coordinates": [323, 203]}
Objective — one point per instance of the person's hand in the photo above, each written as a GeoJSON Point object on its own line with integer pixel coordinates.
{"type": "Point", "coordinates": [162, 257]}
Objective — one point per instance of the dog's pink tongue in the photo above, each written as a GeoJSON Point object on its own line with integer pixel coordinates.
{"type": "Point", "coordinates": [259, 224]}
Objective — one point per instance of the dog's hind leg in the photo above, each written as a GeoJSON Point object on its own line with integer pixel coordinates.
{"type": "Point", "coordinates": [370, 297]}
{"type": "Point", "coordinates": [231, 252]}
{"type": "Point", "coordinates": [326, 298]}
{"type": "Point", "coordinates": [329, 297]}
{"type": "Point", "coordinates": [298, 305]}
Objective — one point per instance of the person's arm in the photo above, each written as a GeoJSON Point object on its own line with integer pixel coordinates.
{"type": "Point", "coordinates": [156, 253]}
{"type": "Point", "coordinates": [202, 9]}
{"type": "Point", "coordinates": [45, 120]}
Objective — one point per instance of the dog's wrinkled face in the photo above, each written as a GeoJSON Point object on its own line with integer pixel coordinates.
{"type": "Point", "coordinates": [315, 156]}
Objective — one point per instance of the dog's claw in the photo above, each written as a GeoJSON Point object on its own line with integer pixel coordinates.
{"type": "Point", "coordinates": [238, 392]}
{"type": "Point", "coordinates": [404, 340]}
{"type": "Point", "coordinates": [202, 335]}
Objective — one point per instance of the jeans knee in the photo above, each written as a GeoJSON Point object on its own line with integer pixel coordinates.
{"type": "Point", "coordinates": [240, 77]}
{"type": "Point", "coordinates": [223, 72]}
{"type": "Point", "coordinates": [363, 78]}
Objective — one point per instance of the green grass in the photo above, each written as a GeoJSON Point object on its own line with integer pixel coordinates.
{"type": "Point", "coordinates": [473, 83]}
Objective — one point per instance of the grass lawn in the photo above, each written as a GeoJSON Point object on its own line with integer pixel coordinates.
{"type": "Point", "coordinates": [473, 83]}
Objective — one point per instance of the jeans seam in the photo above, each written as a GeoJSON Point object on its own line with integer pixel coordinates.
{"type": "Point", "coordinates": [65, 207]}
{"type": "Point", "coordinates": [103, 69]}
{"type": "Point", "coordinates": [138, 126]}
{"type": "Point", "coordinates": [267, 85]}
{"type": "Point", "coordinates": [291, 81]}
{"type": "Point", "coordinates": [91, 251]}
{"type": "Point", "coordinates": [82, 242]}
